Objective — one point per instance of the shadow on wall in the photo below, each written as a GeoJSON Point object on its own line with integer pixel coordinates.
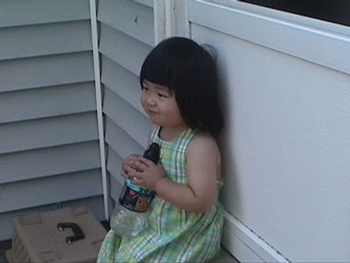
{"type": "Point", "coordinates": [230, 193]}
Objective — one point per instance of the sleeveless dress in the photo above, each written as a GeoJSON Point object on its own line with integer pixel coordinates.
{"type": "Point", "coordinates": [173, 234]}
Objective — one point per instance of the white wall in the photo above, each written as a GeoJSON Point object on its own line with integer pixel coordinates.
{"type": "Point", "coordinates": [287, 148]}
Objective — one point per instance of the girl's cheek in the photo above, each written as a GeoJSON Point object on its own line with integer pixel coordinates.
{"type": "Point", "coordinates": [142, 100]}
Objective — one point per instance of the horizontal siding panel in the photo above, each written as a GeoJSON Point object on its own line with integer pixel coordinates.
{"type": "Point", "coordinates": [123, 49]}
{"type": "Point", "coordinates": [137, 125]}
{"type": "Point", "coordinates": [49, 161]}
{"type": "Point", "coordinates": [120, 141]}
{"type": "Point", "coordinates": [122, 82]}
{"type": "Point", "coordinates": [47, 102]}
{"type": "Point", "coordinates": [48, 121]}
{"type": "Point", "coordinates": [116, 188]}
{"type": "Point", "coordinates": [148, 3]}
{"type": "Point", "coordinates": [129, 17]}
{"type": "Point", "coordinates": [28, 135]}
{"type": "Point", "coordinates": [55, 189]}
{"type": "Point", "coordinates": [114, 164]}
{"type": "Point", "coordinates": [24, 12]}
{"type": "Point", "coordinates": [46, 71]}
{"type": "Point", "coordinates": [95, 204]}
{"type": "Point", "coordinates": [30, 41]}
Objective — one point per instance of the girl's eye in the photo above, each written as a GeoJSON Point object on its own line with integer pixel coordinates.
{"type": "Point", "coordinates": [161, 95]}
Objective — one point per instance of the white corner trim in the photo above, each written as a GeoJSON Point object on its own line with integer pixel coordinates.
{"type": "Point", "coordinates": [170, 19]}
{"type": "Point", "coordinates": [163, 19]}
{"type": "Point", "coordinates": [245, 245]}
{"type": "Point", "coordinates": [98, 92]}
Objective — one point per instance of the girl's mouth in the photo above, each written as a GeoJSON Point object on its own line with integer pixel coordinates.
{"type": "Point", "coordinates": [151, 112]}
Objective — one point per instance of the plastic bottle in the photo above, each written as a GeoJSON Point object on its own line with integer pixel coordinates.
{"type": "Point", "coordinates": [130, 215]}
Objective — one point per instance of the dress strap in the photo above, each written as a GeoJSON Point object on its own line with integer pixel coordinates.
{"type": "Point", "coordinates": [154, 133]}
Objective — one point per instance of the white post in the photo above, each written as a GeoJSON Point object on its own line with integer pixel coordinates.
{"type": "Point", "coordinates": [170, 19]}
{"type": "Point", "coordinates": [98, 92]}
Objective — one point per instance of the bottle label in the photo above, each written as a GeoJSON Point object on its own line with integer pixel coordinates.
{"type": "Point", "coordinates": [135, 198]}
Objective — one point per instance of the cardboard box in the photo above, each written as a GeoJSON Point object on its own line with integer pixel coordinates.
{"type": "Point", "coordinates": [64, 235]}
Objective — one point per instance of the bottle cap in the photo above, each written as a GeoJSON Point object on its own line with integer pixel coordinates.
{"type": "Point", "coordinates": [153, 152]}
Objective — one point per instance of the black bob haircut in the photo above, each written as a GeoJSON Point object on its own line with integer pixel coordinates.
{"type": "Point", "coordinates": [189, 71]}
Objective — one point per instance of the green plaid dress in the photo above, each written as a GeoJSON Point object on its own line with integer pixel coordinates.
{"type": "Point", "coordinates": [173, 234]}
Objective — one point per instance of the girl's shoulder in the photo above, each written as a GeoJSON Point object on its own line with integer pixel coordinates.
{"type": "Point", "coordinates": [203, 151]}
{"type": "Point", "coordinates": [203, 142]}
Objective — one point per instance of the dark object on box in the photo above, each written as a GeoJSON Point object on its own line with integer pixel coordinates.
{"type": "Point", "coordinates": [65, 235]}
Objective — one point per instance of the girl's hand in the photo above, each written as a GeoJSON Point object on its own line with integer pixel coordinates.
{"type": "Point", "coordinates": [146, 173]}
{"type": "Point", "coordinates": [128, 166]}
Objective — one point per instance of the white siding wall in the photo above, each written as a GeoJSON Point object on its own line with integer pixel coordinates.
{"type": "Point", "coordinates": [287, 147]}
{"type": "Point", "coordinates": [127, 36]}
{"type": "Point", "coordinates": [48, 130]}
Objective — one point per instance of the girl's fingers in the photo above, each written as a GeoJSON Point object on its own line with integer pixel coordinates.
{"type": "Point", "coordinates": [139, 166]}
{"type": "Point", "coordinates": [134, 175]}
{"type": "Point", "coordinates": [145, 161]}
{"type": "Point", "coordinates": [142, 163]}
{"type": "Point", "coordinates": [137, 182]}
{"type": "Point", "coordinates": [125, 175]}
{"type": "Point", "coordinates": [130, 173]}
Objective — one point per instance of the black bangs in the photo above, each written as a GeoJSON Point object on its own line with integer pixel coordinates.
{"type": "Point", "coordinates": [157, 68]}
{"type": "Point", "coordinates": [165, 63]}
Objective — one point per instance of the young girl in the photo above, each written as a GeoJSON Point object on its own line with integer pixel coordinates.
{"type": "Point", "coordinates": [179, 85]}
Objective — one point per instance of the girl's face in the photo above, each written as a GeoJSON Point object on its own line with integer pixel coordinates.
{"type": "Point", "coordinates": [161, 106]}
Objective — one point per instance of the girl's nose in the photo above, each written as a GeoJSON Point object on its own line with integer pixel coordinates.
{"type": "Point", "coordinates": [150, 100]}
